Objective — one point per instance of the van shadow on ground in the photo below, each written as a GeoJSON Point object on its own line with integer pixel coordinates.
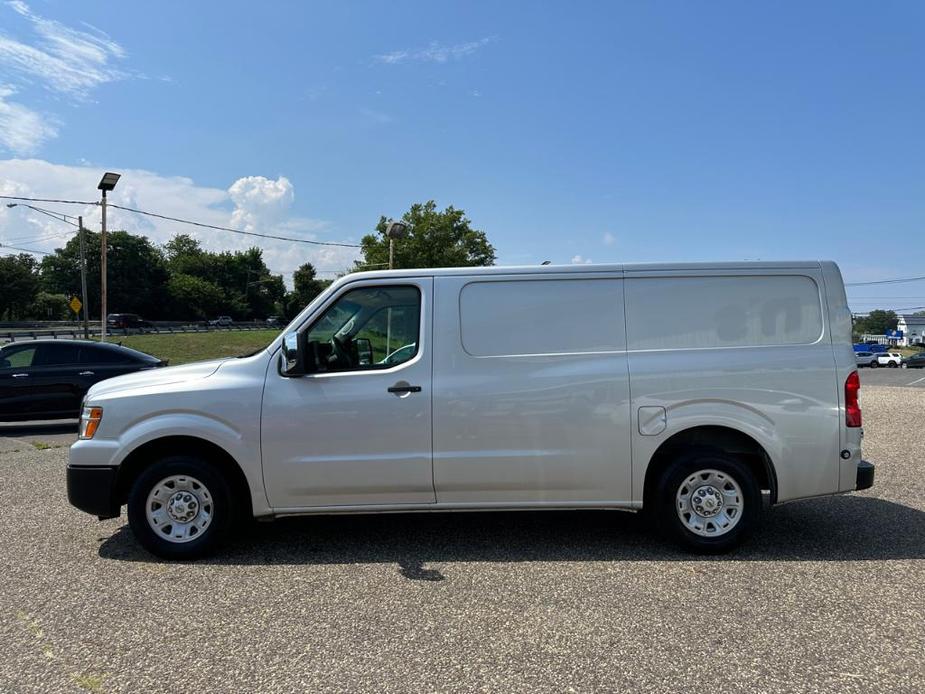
{"type": "Point", "coordinates": [842, 528]}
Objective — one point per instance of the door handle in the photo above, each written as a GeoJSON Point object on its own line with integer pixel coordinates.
{"type": "Point", "coordinates": [405, 389]}
{"type": "Point", "coordinates": [20, 375]}
{"type": "Point", "coordinates": [85, 373]}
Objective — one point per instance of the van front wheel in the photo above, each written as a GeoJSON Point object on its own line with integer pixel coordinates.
{"type": "Point", "coordinates": [709, 502]}
{"type": "Point", "coordinates": [180, 508]}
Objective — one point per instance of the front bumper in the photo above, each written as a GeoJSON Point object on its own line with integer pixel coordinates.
{"type": "Point", "coordinates": [865, 479]}
{"type": "Point", "coordinates": [93, 490]}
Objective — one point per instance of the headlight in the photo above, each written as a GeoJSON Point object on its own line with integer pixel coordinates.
{"type": "Point", "coordinates": [89, 421]}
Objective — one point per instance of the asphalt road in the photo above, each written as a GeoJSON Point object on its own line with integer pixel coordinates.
{"type": "Point", "coordinates": [829, 597]}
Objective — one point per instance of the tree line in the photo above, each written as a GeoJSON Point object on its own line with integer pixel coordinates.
{"type": "Point", "coordinates": [183, 281]}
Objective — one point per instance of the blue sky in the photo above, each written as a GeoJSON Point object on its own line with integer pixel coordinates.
{"type": "Point", "coordinates": [615, 132]}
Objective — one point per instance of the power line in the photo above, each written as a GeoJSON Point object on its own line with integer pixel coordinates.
{"type": "Point", "coordinates": [59, 216]}
{"type": "Point", "coordinates": [33, 239]}
{"type": "Point", "coordinates": [24, 250]}
{"type": "Point", "coordinates": [235, 231]}
{"type": "Point", "coordinates": [890, 281]}
{"type": "Point", "coordinates": [187, 221]}
{"type": "Point", "coordinates": [62, 202]}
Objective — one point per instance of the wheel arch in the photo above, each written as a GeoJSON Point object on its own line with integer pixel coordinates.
{"type": "Point", "coordinates": [147, 453]}
{"type": "Point", "coordinates": [712, 437]}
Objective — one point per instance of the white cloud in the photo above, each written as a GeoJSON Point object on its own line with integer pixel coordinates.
{"type": "Point", "coordinates": [435, 52]}
{"type": "Point", "coordinates": [63, 60]}
{"type": "Point", "coordinates": [609, 239]}
{"type": "Point", "coordinates": [578, 260]}
{"type": "Point", "coordinates": [251, 203]}
{"type": "Point", "coordinates": [260, 202]}
{"type": "Point", "coordinates": [22, 130]}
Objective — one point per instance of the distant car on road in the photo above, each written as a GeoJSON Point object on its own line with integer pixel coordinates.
{"type": "Point", "coordinates": [126, 321]}
{"type": "Point", "coordinates": [867, 359]}
{"type": "Point", "coordinates": [890, 359]}
{"type": "Point", "coordinates": [47, 379]}
{"type": "Point", "coordinates": [222, 321]}
{"type": "Point", "coordinates": [916, 361]}
{"type": "Point", "coordinates": [274, 321]}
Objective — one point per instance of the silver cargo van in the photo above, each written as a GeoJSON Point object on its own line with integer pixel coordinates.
{"type": "Point", "coordinates": [700, 393]}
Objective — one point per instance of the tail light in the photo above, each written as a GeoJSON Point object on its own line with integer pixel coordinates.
{"type": "Point", "coordinates": [852, 404]}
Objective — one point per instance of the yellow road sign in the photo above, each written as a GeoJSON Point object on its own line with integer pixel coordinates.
{"type": "Point", "coordinates": [75, 304]}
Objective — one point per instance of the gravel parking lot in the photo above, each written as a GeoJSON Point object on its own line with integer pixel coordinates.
{"type": "Point", "coordinates": [829, 597]}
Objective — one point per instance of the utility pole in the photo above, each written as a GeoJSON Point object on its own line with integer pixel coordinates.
{"type": "Point", "coordinates": [83, 275]}
{"type": "Point", "coordinates": [107, 183]}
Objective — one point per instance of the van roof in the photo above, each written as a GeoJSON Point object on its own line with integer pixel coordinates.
{"type": "Point", "coordinates": [589, 268]}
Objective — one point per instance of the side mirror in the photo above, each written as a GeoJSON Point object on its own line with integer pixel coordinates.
{"type": "Point", "coordinates": [293, 359]}
{"type": "Point", "coordinates": [364, 351]}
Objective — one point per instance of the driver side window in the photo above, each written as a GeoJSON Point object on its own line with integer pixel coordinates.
{"type": "Point", "coordinates": [367, 328]}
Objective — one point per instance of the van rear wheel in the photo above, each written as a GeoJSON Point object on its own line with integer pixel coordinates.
{"type": "Point", "coordinates": [708, 502]}
{"type": "Point", "coordinates": [180, 507]}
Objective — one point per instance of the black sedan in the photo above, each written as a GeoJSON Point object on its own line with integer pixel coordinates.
{"type": "Point", "coordinates": [916, 361]}
{"type": "Point", "coordinates": [47, 379]}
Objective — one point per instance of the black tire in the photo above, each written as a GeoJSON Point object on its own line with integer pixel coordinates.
{"type": "Point", "coordinates": [874, 364]}
{"type": "Point", "coordinates": [218, 495]}
{"type": "Point", "coordinates": [678, 472]}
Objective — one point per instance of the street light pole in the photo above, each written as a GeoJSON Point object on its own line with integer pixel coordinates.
{"type": "Point", "coordinates": [394, 230]}
{"type": "Point", "coordinates": [103, 288]}
{"type": "Point", "coordinates": [83, 275]}
{"type": "Point", "coordinates": [107, 183]}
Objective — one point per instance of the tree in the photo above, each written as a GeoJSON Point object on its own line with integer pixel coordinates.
{"type": "Point", "coordinates": [248, 288]}
{"type": "Point", "coordinates": [306, 287]}
{"type": "Point", "coordinates": [194, 298]}
{"type": "Point", "coordinates": [50, 307]}
{"type": "Point", "coordinates": [19, 278]}
{"type": "Point", "coordinates": [185, 256]}
{"type": "Point", "coordinates": [437, 239]}
{"type": "Point", "coordinates": [876, 322]}
{"type": "Point", "coordinates": [136, 273]}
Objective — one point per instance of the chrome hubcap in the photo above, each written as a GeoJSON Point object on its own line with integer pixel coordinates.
{"type": "Point", "coordinates": [179, 508]}
{"type": "Point", "coordinates": [709, 503]}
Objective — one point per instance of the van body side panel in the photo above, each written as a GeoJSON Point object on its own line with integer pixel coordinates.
{"type": "Point", "coordinates": [845, 363]}
{"type": "Point", "coordinates": [744, 350]}
{"type": "Point", "coordinates": [531, 397]}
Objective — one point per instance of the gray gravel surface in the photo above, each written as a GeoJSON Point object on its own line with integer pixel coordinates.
{"type": "Point", "coordinates": [829, 597]}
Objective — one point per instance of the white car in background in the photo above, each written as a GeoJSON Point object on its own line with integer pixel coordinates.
{"type": "Point", "coordinates": [890, 359]}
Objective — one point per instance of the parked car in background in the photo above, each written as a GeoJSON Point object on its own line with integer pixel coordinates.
{"type": "Point", "coordinates": [274, 322]}
{"type": "Point", "coordinates": [499, 388]}
{"type": "Point", "coordinates": [890, 359]}
{"type": "Point", "coordinates": [867, 359]}
{"type": "Point", "coordinates": [126, 321]}
{"type": "Point", "coordinates": [47, 379]}
{"type": "Point", "coordinates": [222, 321]}
{"type": "Point", "coordinates": [915, 361]}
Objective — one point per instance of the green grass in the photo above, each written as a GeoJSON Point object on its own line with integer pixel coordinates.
{"type": "Point", "coordinates": [186, 347]}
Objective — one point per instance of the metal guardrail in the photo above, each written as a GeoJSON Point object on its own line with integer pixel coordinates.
{"type": "Point", "coordinates": [76, 332]}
